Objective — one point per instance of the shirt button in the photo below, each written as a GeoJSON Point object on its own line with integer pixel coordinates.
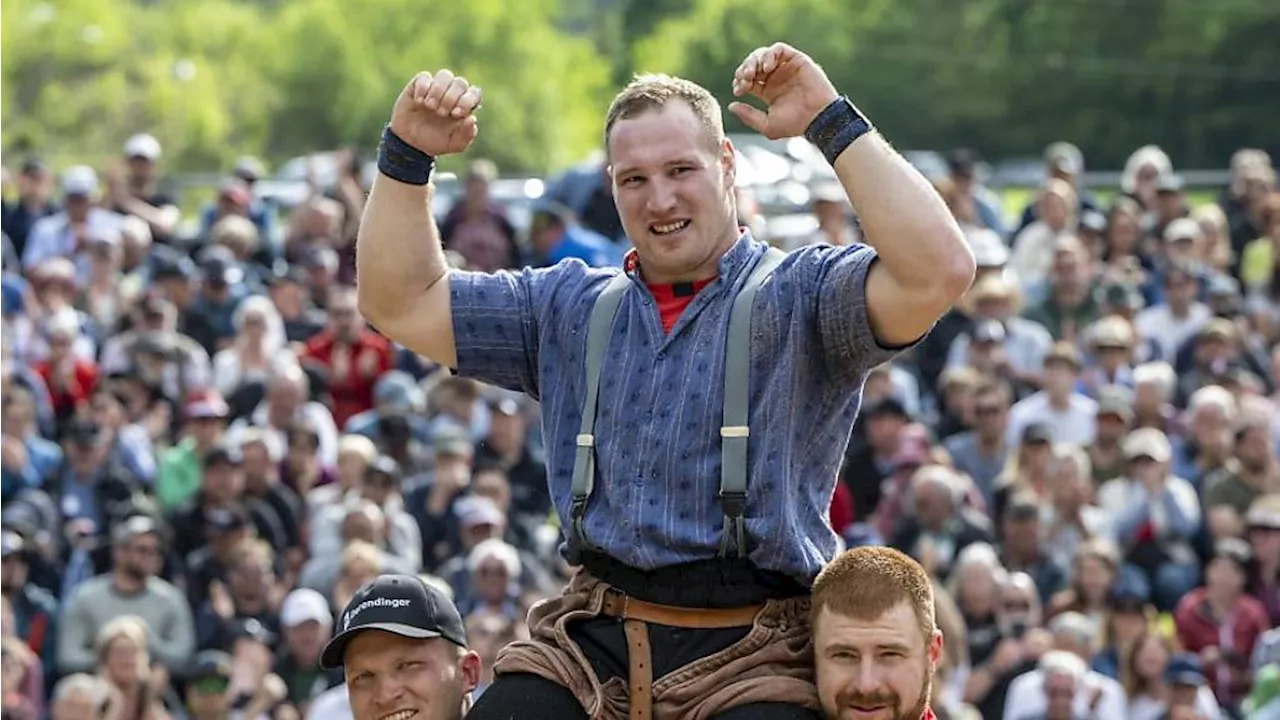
{"type": "Point", "coordinates": [662, 354]}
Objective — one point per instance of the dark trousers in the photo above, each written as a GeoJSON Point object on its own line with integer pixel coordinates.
{"type": "Point", "coordinates": [723, 584]}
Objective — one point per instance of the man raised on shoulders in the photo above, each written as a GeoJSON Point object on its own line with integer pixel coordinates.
{"type": "Point", "coordinates": [687, 442]}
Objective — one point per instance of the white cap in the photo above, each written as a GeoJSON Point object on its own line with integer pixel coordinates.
{"type": "Point", "coordinates": [989, 251]}
{"type": "Point", "coordinates": [142, 145]}
{"type": "Point", "coordinates": [476, 510]}
{"type": "Point", "coordinates": [302, 605]}
{"type": "Point", "coordinates": [1182, 229]}
{"type": "Point", "coordinates": [80, 180]}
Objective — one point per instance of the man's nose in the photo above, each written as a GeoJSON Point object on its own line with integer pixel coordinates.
{"type": "Point", "coordinates": [868, 677]}
{"type": "Point", "coordinates": [387, 693]}
{"type": "Point", "coordinates": [662, 197]}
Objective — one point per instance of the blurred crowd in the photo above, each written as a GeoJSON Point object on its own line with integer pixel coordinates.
{"type": "Point", "coordinates": [206, 450]}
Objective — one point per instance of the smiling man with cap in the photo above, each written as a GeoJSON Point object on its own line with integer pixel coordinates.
{"type": "Point", "coordinates": [403, 647]}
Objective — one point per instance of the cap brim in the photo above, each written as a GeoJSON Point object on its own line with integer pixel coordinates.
{"type": "Point", "coordinates": [333, 654]}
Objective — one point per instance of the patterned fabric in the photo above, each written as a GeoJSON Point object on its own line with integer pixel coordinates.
{"type": "Point", "coordinates": [661, 395]}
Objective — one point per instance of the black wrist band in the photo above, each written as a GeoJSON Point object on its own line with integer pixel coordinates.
{"type": "Point", "coordinates": [401, 161]}
{"type": "Point", "coordinates": [836, 127]}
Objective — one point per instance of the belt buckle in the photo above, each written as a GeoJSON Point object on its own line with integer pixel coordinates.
{"type": "Point", "coordinates": [626, 601]}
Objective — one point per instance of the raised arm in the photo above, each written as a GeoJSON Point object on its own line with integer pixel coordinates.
{"type": "Point", "coordinates": [402, 277]}
{"type": "Point", "coordinates": [924, 263]}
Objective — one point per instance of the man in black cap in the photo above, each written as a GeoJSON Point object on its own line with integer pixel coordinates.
{"type": "Point", "coordinates": [221, 486]}
{"type": "Point", "coordinates": [403, 647]}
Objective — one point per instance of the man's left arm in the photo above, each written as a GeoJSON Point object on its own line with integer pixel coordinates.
{"type": "Point", "coordinates": [924, 263]}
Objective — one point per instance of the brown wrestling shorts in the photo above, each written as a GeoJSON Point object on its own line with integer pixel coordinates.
{"type": "Point", "coordinates": [773, 662]}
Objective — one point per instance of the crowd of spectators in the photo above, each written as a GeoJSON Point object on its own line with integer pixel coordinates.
{"type": "Point", "coordinates": [206, 450]}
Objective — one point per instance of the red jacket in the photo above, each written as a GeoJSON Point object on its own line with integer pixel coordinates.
{"type": "Point", "coordinates": [78, 389]}
{"type": "Point", "coordinates": [351, 383]}
{"type": "Point", "coordinates": [1234, 638]}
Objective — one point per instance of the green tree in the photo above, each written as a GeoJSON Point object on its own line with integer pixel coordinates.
{"type": "Point", "coordinates": [1010, 76]}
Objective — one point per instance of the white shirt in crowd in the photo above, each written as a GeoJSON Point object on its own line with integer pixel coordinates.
{"type": "Point", "coordinates": [51, 237]}
{"type": "Point", "coordinates": [311, 413]}
{"type": "Point", "coordinates": [1077, 424]}
{"type": "Point", "coordinates": [1158, 324]}
{"type": "Point", "coordinates": [1026, 697]}
{"type": "Point", "coordinates": [1145, 707]}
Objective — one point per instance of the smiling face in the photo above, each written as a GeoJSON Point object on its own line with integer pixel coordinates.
{"type": "Point", "coordinates": [874, 670]}
{"type": "Point", "coordinates": [673, 185]}
{"type": "Point", "coordinates": [396, 678]}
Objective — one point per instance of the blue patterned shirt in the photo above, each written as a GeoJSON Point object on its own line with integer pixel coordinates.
{"type": "Point", "coordinates": [655, 502]}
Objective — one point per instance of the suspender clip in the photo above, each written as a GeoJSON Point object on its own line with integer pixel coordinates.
{"type": "Point", "coordinates": [734, 504]}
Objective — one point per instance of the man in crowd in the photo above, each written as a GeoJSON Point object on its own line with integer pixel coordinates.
{"type": "Point", "coordinates": [131, 588]}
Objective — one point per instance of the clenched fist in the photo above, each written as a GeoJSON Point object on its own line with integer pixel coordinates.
{"type": "Point", "coordinates": [436, 113]}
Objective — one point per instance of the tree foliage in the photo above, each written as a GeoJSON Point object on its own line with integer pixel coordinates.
{"type": "Point", "coordinates": [217, 78]}
{"type": "Point", "coordinates": [1010, 76]}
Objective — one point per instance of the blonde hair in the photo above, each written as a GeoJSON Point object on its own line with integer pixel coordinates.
{"type": "Point", "coordinates": [360, 551]}
{"type": "Point", "coordinates": [126, 627]}
{"type": "Point", "coordinates": [358, 446]}
{"type": "Point", "coordinates": [653, 92]}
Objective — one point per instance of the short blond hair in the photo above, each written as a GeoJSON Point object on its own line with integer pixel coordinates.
{"type": "Point", "coordinates": [652, 92]}
{"type": "Point", "coordinates": [125, 627]}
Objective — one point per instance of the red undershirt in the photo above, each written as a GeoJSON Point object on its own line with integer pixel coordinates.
{"type": "Point", "coordinates": [672, 299]}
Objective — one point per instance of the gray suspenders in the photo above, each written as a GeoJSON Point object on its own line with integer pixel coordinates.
{"type": "Point", "coordinates": [734, 432]}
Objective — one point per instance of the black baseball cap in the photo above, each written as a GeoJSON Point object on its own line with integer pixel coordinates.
{"type": "Point", "coordinates": [403, 605]}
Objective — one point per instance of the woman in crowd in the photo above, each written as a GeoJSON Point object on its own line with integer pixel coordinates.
{"type": "Point", "coordinates": [259, 346]}
{"type": "Point", "coordinates": [1144, 681]}
{"type": "Point", "coordinates": [125, 664]}
{"type": "Point", "coordinates": [1092, 574]}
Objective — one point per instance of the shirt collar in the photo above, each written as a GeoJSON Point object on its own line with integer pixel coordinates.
{"type": "Point", "coordinates": [743, 251]}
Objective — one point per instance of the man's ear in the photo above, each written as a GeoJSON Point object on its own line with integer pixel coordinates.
{"type": "Point", "coordinates": [728, 163]}
{"type": "Point", "coordinates": [471, 667]}
{"type": "Point", "coordinates": [936, 646]}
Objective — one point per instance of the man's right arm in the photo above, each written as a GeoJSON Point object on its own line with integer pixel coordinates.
{"type": "Point", "coordinates": [402, 275]}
